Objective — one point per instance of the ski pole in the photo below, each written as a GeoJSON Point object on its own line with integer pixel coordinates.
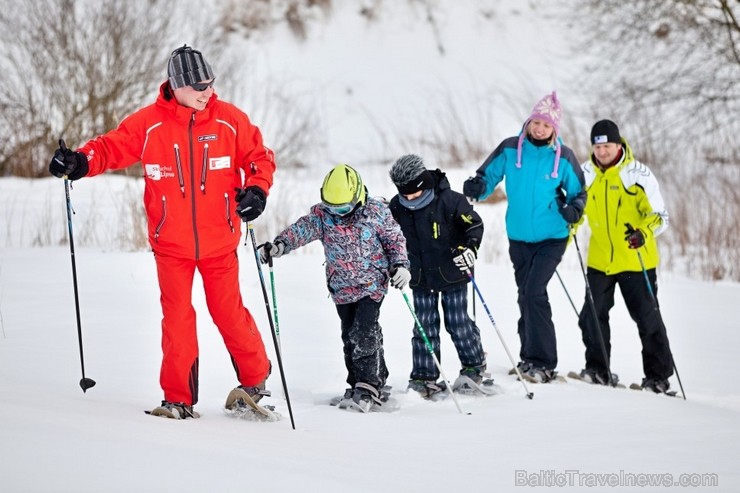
{"type": "Point", "coordinates": [660, 317]}
{"type": "Point", "coordinates": [474, 303]}
{"type": "Point", "coordinates": [268, 245]}
{"type": "Point", "coordinates": [530, 395]}
{"type": "Point", "coordinates": [567, 293]}
{"type": "Point", "coordinates": [597, 325]}
{"type": "Point", "coordinates": [272, 325]}
{"type": "Point", "coordinates": [85, 382]}
{"type": "Point", "coordinates": [429, 347]}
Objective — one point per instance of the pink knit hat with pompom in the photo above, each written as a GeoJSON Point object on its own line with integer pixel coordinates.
{"type": "Point", "coordinates": [547, 109]}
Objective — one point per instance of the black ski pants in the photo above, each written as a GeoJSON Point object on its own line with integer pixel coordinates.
{"type": "Point", "coordinates": [465, 334]}
{"type": "Point", "coordinates": [534, 266]}
{"type": "Point", "coordinates": [362, 337]}
{"type": "Point", "coordinates": [657, 361]}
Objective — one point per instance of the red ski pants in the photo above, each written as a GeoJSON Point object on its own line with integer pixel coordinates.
{"type": "Point", "coordinates": [179, 373]}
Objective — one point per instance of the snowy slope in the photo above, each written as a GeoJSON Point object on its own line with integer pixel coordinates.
{"type": "Point", "coordinates": [102, 441]}
{"type": "Point", "coordinates": [55, 438]}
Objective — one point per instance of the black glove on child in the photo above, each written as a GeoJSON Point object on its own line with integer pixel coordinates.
{"type": "Point", "coordinates": [634, 237]}
{"type": "Point", "coordinates": [474, 187]}
{"type": "Point", "coordinates": [464, 258]}
{"type": "Point", "coordinates": [571, 212]}
{"type": "Point", "coordinates": [250, 203]}
{"type": "Point", "coordinates": [68, 163]}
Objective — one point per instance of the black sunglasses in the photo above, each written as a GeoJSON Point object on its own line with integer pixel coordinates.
{"type": "Point", "coordinates": [202, 86]}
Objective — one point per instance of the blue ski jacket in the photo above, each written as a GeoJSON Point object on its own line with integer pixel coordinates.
{"type": "Point", "coordinates": [532, 186]}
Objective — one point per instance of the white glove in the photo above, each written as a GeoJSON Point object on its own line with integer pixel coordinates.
{"type": "Point", "coordinates": [400, 277]}
{"type": "Point", "coordinates": [465, 259]}
{"type": "Point", "coordinates": [271, 250]}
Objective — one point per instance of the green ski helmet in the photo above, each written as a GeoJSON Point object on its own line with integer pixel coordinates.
{"type": "Point", "coordinates": [342, 190]}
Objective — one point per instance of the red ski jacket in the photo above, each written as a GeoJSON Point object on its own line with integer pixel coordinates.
{"type": "Point", "coordinates": [192, 161]}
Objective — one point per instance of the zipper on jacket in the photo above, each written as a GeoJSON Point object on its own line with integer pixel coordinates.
{"type": "Point", "coordinates": [192, 186]}
{"type": "Point", "coordinates": [608, 226]}
{"type": "Point", "coordinates": [161, 221]}
{"type": "Point", "coordinates": [616, 218]}
{"type": "Point", "coordinates": [228, 216]}
{"type": "Point", "coordinates": [204, 169]}
{"type": "Point", "coordinates": [178, 162]}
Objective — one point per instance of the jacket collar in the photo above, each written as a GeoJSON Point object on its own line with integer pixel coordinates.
{"type": "Point", "coordinates": [166, 101]}
{"type": "Point", "coordinates": [625, 160]}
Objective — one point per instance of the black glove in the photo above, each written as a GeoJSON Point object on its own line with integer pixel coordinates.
{"type": "Point", "coordinates": [250, 203]}
{"type": "Point", "coordinates": [70, 163]}
{"type": "Point", "coordinates": [634, 237]}
{"type": "Point", "coordinates": [474, 187]}
{"type": "Point", "coordinates": [271, 250]}
{"type": "Point", "coordinates": [571, 212]}
{"type": "Point", "coordinates": [464, 258]}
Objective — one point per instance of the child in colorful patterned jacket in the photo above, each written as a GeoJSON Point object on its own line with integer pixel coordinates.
{"type": "Point", "coordinates": [364, 249]}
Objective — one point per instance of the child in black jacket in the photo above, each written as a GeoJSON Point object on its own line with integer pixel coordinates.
{"type": "Point", "coordinates": [443, 234]}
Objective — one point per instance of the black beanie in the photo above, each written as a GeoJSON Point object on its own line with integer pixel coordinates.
{"type": "Point", "coordinates": [605, 131]}
{"type": "Point", "coordinates": [424, 181]}
{"type": "Point", "coordinates": [187, 66]}
{"type": "Point", "coordinates": [409, 175]}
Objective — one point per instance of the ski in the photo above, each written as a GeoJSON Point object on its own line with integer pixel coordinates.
{"type": "Point", "coordinates": [637, 386]}
{"type": "Point", "coordinates": [467, 386]}
{"type": "Point", "coordinates": [241, 405]}
{"type": "Point", "coordinates": [387, 403]}
{"type": "Point", "coordinates": [388, 406]}
{"type": "Point", "coordinates": [257, 413]}
{"type": "Point", "coordinates": [169, 412]}
{"type": "Point", "coordinates": [428, 390]}
{"type": "Point", "coordinates": [337, 401]}
{"type": "Point", "coordinates": [150, 412]}
{"type": "Point", "coordinates": [555, 379]}
{"type": "Point", "coordinates": [576, 376]}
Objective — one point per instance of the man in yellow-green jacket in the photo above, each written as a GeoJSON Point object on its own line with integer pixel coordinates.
{"type": "Point", "coordinates": [626, 213]}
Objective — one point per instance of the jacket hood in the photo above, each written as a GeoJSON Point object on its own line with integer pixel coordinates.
{"type": "Point", "coordinates": [440, 180]}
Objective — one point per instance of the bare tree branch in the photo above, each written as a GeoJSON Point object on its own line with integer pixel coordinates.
{"type": "Point", "coordinates": [74, 68]}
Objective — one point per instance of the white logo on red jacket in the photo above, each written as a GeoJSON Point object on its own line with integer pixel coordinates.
{"type": "Point", "coordinates": [157, 172]}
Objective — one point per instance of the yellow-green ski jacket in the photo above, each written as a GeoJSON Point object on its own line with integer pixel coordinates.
{"type": "Point", "coordinates": [628, 192]}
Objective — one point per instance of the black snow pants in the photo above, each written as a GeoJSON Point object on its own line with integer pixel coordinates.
{"type": "Point", "coordinates": [657, 360]}
{"type": "Point", "coordinates": [534, 266]}
{"type": "Point", "coordinates": [363, 342]}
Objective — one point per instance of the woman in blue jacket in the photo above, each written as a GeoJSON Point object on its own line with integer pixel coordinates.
{"type": "Point", "coordinates": [545, 192]}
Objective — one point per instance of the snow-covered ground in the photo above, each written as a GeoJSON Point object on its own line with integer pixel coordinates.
{"type": "Point", "coordinates": [54, 438]}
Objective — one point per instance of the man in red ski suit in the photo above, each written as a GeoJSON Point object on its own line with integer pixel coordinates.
{"type": "Point", "coordinates": [196, 152]}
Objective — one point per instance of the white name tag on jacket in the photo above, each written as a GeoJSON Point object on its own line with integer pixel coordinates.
{"type": "Point", "coordinates": [219, 162]}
